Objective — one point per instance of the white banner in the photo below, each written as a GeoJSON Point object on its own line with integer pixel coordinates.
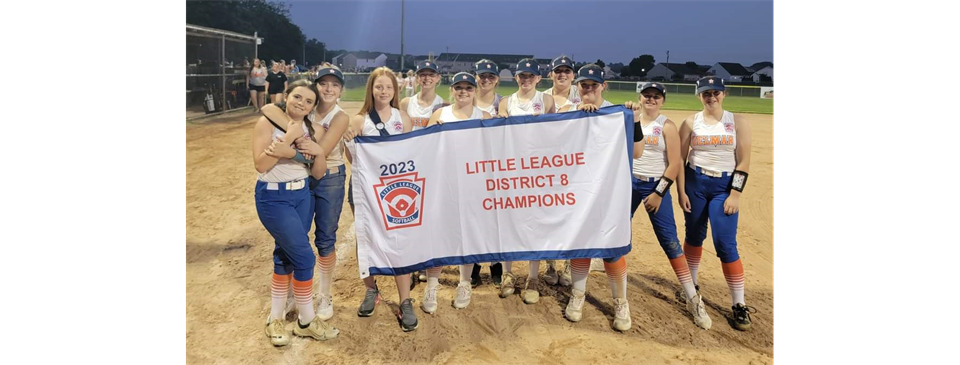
{"type": "Point", "coordinates": [555, 186]}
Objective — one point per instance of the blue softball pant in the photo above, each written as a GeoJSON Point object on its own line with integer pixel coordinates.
{"type": "Point", "coordinates": [707, 195]}
{"type": "Point", "coordinates": [663, 223]}
{"type": "Point", "coordinates": [327, 194]}
{"type": "Point", "coordinates": [287, 214]}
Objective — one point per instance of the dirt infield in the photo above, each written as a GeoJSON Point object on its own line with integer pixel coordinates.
{"type": "Point", "coordinates": [228, 255]}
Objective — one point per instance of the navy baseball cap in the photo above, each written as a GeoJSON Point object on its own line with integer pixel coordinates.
{"type": "Point", "coordinates": [561, 61]}
{"type": "Point", "coordinates": [528, 66]}
{"type": "Point", "coordinates": [590, 72]}
{"type": "Point", "coordinates": [710, 83]}
{"type": "Point", "coordinates": [653, 85]}
{"type": "Point", "coordinates": [427, 65]}
{"type": "Point", "coordinates": [329, 71]}
{"type": "Point", "coordinates": [486, 67]}
{"type": "Point", "coordinates": [464, 77]}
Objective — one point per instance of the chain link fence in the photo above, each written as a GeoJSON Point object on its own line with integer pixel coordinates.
{"type": "Point", "coordinates": [217, 65]}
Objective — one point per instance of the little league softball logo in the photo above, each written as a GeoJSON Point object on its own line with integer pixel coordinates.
{"type": "Point", "coordinates": [728, 127]}
{"type": "Point", "coordinates": [400, 198]}
{"type": "Point", "coordinates": [656, 131]}
{"type": "Point", "coordinates": [537, 107]}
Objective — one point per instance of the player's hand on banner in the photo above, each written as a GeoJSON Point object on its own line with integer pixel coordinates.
{"type": "Point", "coordinates": [589, 108]}
{"type": "Point", "coordinates": [349, 134]}
{"type": "Point", "coordinates": [502, 115]}
{"type": "Point", "coordinates": [632, 105]}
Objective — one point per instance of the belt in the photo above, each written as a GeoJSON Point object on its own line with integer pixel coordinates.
{"type": "Point", "coordinates": [708, 172]}
{"type": "Point", "coordinates": [292, 185]}
{"type": "Point", "coordinates": [646, 178]}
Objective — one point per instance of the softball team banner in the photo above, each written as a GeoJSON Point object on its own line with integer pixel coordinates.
{"type": "Point", "coordinates": [554, 186]}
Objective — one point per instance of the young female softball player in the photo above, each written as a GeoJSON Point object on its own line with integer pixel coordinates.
{"type": "Point", "coordinates": [565, 94]}
{"type": "Point", "coordinates": [488, 78]}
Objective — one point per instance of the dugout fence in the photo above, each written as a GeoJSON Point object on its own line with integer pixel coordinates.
{"type": "Point", "coordinates": [217, 66]}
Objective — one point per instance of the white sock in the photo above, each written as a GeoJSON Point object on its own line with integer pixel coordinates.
{"type": "Point", "coordinates": [507, 267]}
{"type": "Point", "coordinates": [465, 271]}
{"type": "Point", "coordinates": [534, 270]}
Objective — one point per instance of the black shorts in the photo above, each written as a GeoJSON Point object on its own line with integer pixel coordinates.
{"type": "Point", "coordinates": [275, 92]}
{"type": "Point", "coordinates": [257, 88]}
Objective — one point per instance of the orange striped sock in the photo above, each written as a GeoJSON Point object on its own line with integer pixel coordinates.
{"type": "Point", "coordinates": [617, 273]}
{"type": "Point", "coordinates": [680, 268]}
{"type": "Point", "coordinates": [693, 259]}
{"type": "Point", "coordinates": [733, 272]}
{"type": "Point", "coordinates": [278, 295]}
{"type": "Point", "coordinates": [579, 269]}
{"type": "Point", "coordinates": [327, 265]}
{"type": "Point", "coordinates": [303, 292]}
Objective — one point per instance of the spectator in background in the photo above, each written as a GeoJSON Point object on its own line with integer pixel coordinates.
{"type": "Point", "coordinates": [256, 79]}
{"type": "Point", "coordinates": [276, 83]}
{"type": "Point", "coordinates": [293, 67]}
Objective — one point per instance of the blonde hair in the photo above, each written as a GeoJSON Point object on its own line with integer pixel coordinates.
{"type": "Point", "coordinates": [453, 96]}
{"type": "Point", "coordinates": [368, 102]}
{"type": "Point", "coordinates": [516, 76]}
{"type": "Point", "coordinates": [603, 89]}
{"type": "Point", "coordinates": [552, 74]}
{"type": "Point", "coordinates": [316, 82]}
{"type": "Point", "coordinates": [477, 75]}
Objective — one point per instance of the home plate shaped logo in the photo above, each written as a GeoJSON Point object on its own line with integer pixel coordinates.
{"type": "Point", "coordinates": [401, 200]}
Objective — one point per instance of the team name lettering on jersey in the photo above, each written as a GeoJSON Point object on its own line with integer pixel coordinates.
{"type": "Point", "coordinates": [419, 122]}
{"type": "Point", "coordinates": [712, 140]}
{"type": "Point", "coordinates": [652, 141]}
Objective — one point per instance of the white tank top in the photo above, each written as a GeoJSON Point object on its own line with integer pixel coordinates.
{"type": "Point", "coordinates": [335, 157]}
{"type": "Point", "coordinates": [533, 106]}
{"type": "Point", "coordinates": [285, 170]}
{"type": "Point", "coordinates": [258, 76]}
{"type": "Point", "coordinates": [714, 146]}
{"type": "Point", "coordinates": [492, 108]}
{"type": "Point", "coordinates": [393, 126]}
{"type": "Point", "coordinates": [419, 116]}
{"type": "Point", "coordinates": [573, 98]}
{"type": "Point", "coordinates": [653, 162]}
{"type": "Point", "coordinates": [447, 116]}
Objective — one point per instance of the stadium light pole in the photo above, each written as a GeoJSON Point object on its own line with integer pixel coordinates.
{"type": "Point", "coordinates": [401, 35]}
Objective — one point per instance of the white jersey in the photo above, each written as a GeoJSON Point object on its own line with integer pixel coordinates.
{"type": "Point", "coordinates": [393, 126]}
{"type": "Point", "coordinates": [714, 146]}
{"type": "Point", "coordinates": [533, 106]}
{"type": "Point", "coordinates": [286, 170]}
{"type": "Point", "coordinates": [493, 108]}
{"type": "Point", "coordinates": [653, 162]}
{"type": "Point", "coordinates": [573, 98]}
{"type": "Point", "coordinates": [335, 157]}
{"type": "Point", "coordinates": [419, 116]}
{"type": "Point", "coordinates": [447, 116]}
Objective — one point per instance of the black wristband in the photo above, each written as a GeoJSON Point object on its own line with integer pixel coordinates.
{"type": "Point", "coordinates": [663, 186]}
{"type": "Point", "coordinates": [637, 132]}
{"type": "Point", "coordinates": [739, 180]}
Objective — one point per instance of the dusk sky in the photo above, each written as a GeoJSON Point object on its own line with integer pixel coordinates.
{"type": "Point", "coordinates": [705, 32]}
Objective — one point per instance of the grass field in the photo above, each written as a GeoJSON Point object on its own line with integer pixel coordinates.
{"type": "Point", "coordinates": [735, 104]}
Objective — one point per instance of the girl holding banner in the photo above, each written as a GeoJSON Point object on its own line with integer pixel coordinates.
{"type": "Point", "coordinates": [488, 78]}
{"type": "Point", "coordinates": [591, 85]}
{"type": "Point", "coordinates": [380, 115]}
{"type": "Point", "coordinates": [526, 101]}
{"type": "Point", "coordinates": [463, 94]}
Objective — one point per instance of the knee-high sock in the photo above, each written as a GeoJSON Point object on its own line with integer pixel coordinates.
{"type": "Point", "coordinates": [507, 267]}
{"type": "Point", "coordinates": [680, 268]}
{"type": "Point", "coordinates": [278, 295]}
{"type": "Point", "coordinates": [733, 272]}
{"type": "Point", "coordinates": [693, 259]}
{"type": "Point", "coordinates": [534, 270]}
{"type": "Point", "coordinates": [579, 269]}
{"type": "Point", "coordinates": [617, 273]}
{"type": "Point", "coordinates": [326, 264]}
{"type": "Point", "coordinates": [433, 276]}
{"type": "Point", "coordinates": [303, 292]}
{"type": "Point", "coordinates": [465, 271]}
